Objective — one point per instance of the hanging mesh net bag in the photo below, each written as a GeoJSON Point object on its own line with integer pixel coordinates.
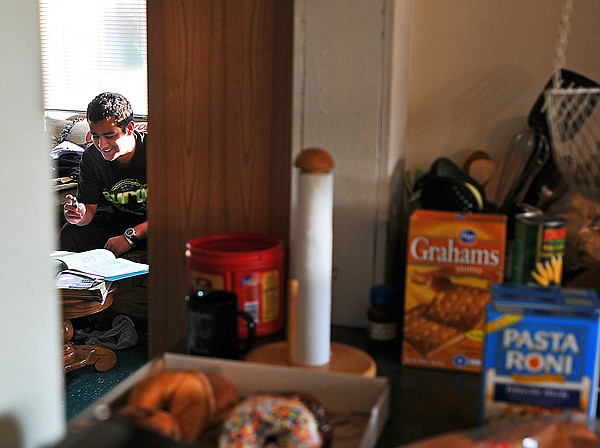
{"type": "Point", "coordinates": [573, 117]}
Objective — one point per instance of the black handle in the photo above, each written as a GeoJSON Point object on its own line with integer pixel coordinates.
{"type": "Point", "coordinates": [246, 345]}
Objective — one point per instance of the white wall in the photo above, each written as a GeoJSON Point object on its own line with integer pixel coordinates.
{"type": "Point", "coordinates": [31, 378]}
{"type": "Point", "coordinates": [343, 79]}
{"type": "Point", "coordinates": [475, 68]}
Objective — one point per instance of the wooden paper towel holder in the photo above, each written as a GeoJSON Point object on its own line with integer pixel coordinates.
{"type": "Point", "coordinates": [343, 359]}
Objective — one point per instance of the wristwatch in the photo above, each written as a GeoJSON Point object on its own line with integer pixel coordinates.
{"type": "Point", "coordinates": [131, 236]}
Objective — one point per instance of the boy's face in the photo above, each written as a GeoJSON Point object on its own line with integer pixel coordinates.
{"type": "Point", "coordinates": [111, 140]}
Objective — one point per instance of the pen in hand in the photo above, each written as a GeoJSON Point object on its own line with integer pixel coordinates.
{"type": "Point", "coordinates": [75, 204]}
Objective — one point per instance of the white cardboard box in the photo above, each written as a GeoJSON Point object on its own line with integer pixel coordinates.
{"type": "Point", "coordinates": [360, 406]}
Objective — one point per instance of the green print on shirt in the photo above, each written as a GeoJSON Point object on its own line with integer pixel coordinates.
{"type": "Point", "coordinates": [128, 195]}
{"type": "Point", "coordinates": [122, 198]}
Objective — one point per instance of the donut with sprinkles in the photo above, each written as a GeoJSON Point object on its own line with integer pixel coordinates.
{"type": "Point", "coordinates": [270, 420]}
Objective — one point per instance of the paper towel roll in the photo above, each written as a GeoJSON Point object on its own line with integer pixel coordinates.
{"type": "Point", "coordinates": [292, 315]}
{"type": "Point", "coordinates": [313, 262]}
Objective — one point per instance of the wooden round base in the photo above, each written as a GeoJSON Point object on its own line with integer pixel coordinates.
{"type": "Point", "coordinates": [344, 359]}
{"type": "Point", "coordinates": [78, 356]}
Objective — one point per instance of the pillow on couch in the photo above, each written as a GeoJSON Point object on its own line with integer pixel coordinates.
{"type": "Point", "coordinates": [73, 130]}
{"type": "Point", "coordinates": [54, 128]}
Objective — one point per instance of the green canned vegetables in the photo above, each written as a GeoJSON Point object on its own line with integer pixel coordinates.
{"type": "Point", "coordinates": [539, 248]}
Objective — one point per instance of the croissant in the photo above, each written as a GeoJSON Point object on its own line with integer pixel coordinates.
{"type": "Point", "coordinates": [195, 400]}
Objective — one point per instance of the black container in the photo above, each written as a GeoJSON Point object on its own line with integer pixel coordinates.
{"type": "Point", "coordinates": [213, 324]}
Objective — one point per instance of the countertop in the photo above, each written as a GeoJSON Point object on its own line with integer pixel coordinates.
{"type": "Point", "coordinates": [424, 402]}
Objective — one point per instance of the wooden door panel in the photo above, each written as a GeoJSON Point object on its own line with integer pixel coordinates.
{"type": "Point", "coordinates": [220, 79]}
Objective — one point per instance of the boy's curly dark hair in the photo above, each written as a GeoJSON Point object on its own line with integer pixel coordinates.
{"type": "Point", "coordinates": [107, 105]}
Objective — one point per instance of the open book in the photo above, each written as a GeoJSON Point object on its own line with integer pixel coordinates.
{"type": "Point", "coordinates": [99, 264]}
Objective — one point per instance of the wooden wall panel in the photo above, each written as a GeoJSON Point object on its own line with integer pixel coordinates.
{"type": "Point", "coordinates": [220, 76]}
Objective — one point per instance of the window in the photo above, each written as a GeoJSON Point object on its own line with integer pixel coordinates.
{"type": "Point", "coordinates": [91, 46]}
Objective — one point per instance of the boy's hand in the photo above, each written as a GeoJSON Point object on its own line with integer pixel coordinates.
{"type": "Point", "coordinates": [73, 210]}
{"type": "Point", "coordinates": [117, 245]}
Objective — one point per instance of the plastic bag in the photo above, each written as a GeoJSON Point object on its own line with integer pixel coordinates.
{"type": "Point", "coordinates": [121, 335]}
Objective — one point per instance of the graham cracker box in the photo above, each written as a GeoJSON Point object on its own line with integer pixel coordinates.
{"type": "Point", "coordinates": [358, 418]}
{"type": "Point", "coordinates": [541, 352]}
{"type": "Point", "coordinates": [452, 261]}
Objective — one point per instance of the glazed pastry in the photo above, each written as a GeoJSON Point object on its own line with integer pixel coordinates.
{"type": "Point", "coordinates": [194, 399]}
{"type": "Point", "coordinates": [155, 420]}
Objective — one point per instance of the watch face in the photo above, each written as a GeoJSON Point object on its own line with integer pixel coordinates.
{"type": "Point", "coordinates": [131, 236]}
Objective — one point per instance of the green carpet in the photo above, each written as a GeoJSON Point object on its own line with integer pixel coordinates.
{"type": "Point", "coordinates": [85, 385]}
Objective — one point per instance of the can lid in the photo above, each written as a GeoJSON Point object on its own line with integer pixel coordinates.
{"type": "Point", "coordinates": [383, 294]}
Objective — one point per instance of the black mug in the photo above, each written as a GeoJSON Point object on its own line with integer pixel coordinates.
{"type": "Point", "coordinates": [213, 324]}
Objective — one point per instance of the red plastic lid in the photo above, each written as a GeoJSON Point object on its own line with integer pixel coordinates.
{"type": "Point", "coordinates": [236, 247]}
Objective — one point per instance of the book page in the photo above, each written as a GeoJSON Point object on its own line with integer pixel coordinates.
{"type": "Point", "coordinates": [79, 260]}
{"type": "Point", "coordinates": [112, 269]}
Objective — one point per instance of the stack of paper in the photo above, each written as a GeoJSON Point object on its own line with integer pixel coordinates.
{"type": "Point", "coordinates": [72, 285]}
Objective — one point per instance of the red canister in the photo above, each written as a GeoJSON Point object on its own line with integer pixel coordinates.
{"type": "Point", "coordinates": [249, 265]}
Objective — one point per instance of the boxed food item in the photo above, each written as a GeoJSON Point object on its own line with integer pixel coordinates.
{"type": "Point", "coordinates": [541, 352]}
{"type": "Point", "coordinates": [452, 261]}
{"type": "Point", "coordinates": [358, 418]}
{"type": "Point", "coordinates": [562, 431]}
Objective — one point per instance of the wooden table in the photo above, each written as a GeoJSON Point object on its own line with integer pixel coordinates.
{"type": "Point", "coordinates": [78, 356]}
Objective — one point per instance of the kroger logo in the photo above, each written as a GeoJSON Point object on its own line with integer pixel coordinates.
{"type": "Point", "coordinates": [468, 236]}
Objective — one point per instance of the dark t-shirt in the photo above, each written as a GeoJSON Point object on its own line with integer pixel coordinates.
{"type": "Point", "coordinates": [121, 192]}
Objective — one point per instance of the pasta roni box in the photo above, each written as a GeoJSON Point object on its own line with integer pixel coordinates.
{"type": "Point", "coordinates": [541, 352]}
{"type": "Point", "coordinates": [452, 261]}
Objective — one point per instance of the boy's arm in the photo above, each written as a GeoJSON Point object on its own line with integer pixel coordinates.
{"type": "Point", "coordinates": [119, 244]}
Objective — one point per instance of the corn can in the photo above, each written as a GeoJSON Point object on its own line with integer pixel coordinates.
{"type": "Point", "coordinates": [539, 249]}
